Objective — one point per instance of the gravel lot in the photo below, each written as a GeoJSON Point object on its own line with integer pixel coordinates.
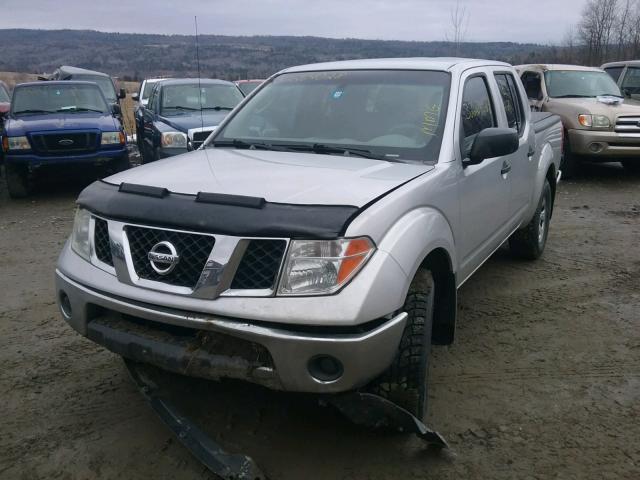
{"type": "Point", "coordinates": [542, 382]}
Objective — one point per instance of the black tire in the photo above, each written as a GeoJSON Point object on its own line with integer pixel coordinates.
{"type": "Point", "coordinates": [121, 164]}
{"type": "Point", "coordinates": [570, 163]}
{"type": "Point", "coordinates": [529, 242]}
{"type": "Point", "coordinates": [18, 184]}
{"type": "Point", "coordinates": [632, 166]}
{"type": "Point", "coordinates": [156, 154]}
{"type": "Point", "coordinates": [406, 381]}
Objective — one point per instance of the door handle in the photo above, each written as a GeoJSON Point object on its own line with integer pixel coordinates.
{"type": "Point", "coordinates": [506, 167]}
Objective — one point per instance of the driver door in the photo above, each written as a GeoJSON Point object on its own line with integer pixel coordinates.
{"type": "Point", "coordinates": [485, 188]}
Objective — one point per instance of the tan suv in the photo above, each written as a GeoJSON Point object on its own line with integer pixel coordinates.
{"type": "Point", "coordinates": [600, 124]}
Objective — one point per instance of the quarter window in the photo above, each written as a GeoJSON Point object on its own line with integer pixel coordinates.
{"type": "Point", "coordinates": [477, 112]}
{"type": "Point", "coordinates": [511, 101]}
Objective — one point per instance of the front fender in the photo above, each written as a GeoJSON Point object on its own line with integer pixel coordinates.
{"type": "Point", "coordinates": [417, 234]}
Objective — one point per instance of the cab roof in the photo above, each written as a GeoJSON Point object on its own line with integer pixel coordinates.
{"type": "Point", "coordinates": [630, 63]}
{"type": "Point", "coordinates": [549, 67]}
{"type": "Point", "coordinates": [417, 63]}
{"type": "Point", "coordinates": [193, 81]}
{"type": "Point", "coordinates": [68, 70]}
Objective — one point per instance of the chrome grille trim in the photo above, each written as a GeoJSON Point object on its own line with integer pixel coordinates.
{"type": "Point", "coordinates": [216, 277]}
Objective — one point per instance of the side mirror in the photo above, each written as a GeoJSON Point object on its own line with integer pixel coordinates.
{"type": "Point", "coordinates": [135, 97]}
{"type": "Point", "coordinates": [626, 92]}
{"type": "Point", "coordinates": [115, 109]}
{"type": "Point", "coordinates": [122, 94]}
{"type": "Point", "coordinates": [491, 143]}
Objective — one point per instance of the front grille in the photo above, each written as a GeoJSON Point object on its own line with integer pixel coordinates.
{"type": "Point", "coordinates": [199, 138]}
{"type": "Point", "coordinates": [628, 125]}
{"type": "Point", "coordinates": [61, 143]}
{"type": "Point", "coordinates": [260, 265]}
{"type": "Point", "coordinates": [101, 241]}
{"type": "Point", "coordinates": [192, 248]}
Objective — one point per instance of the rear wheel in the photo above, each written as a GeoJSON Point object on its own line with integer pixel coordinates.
{"type": "Point", "coordinates": [570, 163]}
{"type": "Point", "coordinates": [405, 382]}
{"type": "Point", "coordinates": [18, 184]}
{"type": "Point", "coordinates": [632, 166]}
{"type": "Point", "coordinates": [529, 242]}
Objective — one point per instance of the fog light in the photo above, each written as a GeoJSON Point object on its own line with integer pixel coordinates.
{"type": "Point", "coordinates": [325, 368]}
{"type": "Point", "coordinates": [596, 147]}
{"type": "Point", "coordinates": [65, 305]}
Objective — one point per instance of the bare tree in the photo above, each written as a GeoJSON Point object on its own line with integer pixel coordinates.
{"type": "Point", "coordinates": [459, 19]}
{"type": "Point", "coordinates": [596, 28]}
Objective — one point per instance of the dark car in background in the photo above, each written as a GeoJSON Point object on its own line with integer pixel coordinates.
{"type": "Point", "coordinates": [105, 82]}
{"type": "Point", "coordinates": [142, 97]}
{"type": "Point", "coordinates": [51, 124]}
{"type": "Point", "coordinates": [5, 104]}
{"type": "Point", "coordinates": [181, 114]}
{"type": "Point", "coordinates": [248, 86]}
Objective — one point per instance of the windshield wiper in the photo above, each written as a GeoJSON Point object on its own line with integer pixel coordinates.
{"type": "Point", "coordinates": [236, 143]}
{"type": "Point", "coordinates": [218, 107]}
{"type": "Point", "coordinates": [344, 150]}
{"type": "Point", "coordinates": [575, 96]}
{"type": "Point", "coordinates": [78, 109]}
{"type": "Point", "coordinates": [33, 110]}
{"type": "Point", "coordinates": [179, 107]}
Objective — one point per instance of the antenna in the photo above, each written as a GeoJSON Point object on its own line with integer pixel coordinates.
{"type": "Point", "coordinates": [195, 18]}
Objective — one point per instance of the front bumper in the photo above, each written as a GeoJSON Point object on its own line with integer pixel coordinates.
{"type": "Point", "coordinates": [99, 157]}
{"type": "Point", "coordinates": [604, 144]}
{"type": "Point", "coordinates": [127, 327]}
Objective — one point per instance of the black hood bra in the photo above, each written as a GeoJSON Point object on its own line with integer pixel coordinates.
{"type": "Point", "coordinates": [215, 213]}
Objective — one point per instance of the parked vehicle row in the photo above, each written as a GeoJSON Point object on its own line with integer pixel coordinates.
{"type": "Point", "coordinates": [60, 122]}
{"type": "Point", "coordinates": [600, 123]}
{"type": "Point", "coordinates": [182, 113]}
{"type": "Point", "coordinates": [320, 234]}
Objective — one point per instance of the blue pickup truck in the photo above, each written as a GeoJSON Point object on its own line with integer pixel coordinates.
{"type": "Point", "coordinates": [60, 123]}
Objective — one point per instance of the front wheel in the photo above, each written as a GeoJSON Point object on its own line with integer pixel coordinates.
{"type": "Point", "coordinates": [405, 382]}
{"type": "Point", "coordinates": [18, 184]}
{"type": "Point", "coordinates": [570, 163]}
{"type": "Point", "coordinates": [529, 242]}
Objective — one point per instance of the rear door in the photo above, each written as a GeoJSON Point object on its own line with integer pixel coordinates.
{"type": "Point", "coordinates": [521, 162]}
{"type": "Point", "coordinates": [484, 189]}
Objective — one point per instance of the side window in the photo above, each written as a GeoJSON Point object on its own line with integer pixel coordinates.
{"type": "Point", "coordinates": [533, 85]}
{"type": "Point", "coordinates": [477, 112]}
{"type": "Point", "coordinates": [631, 81]}
{"type": "Point", "coordinates": [511, 101]}
{"type": "Point", "coordinates": [614, 72]}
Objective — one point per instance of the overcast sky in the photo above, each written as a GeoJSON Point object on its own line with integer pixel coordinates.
{"type": "Point", "coordinates": [541, 21]}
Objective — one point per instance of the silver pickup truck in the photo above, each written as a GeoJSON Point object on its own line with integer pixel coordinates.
{"type": "Point", "coordinates": [316, 241]}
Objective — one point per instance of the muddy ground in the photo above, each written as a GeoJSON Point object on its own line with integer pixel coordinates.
{"type": "Point", "coordinates": [543, 381]}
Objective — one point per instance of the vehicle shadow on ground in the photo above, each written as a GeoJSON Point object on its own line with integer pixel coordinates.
{"type": "Point", "coordinates": [603, 173]}
{"type": "Point", "coordinates": [269, 427]}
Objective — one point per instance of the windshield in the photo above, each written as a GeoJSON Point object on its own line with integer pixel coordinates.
{"type": "Point", "coordinates": [248, 87]}
{"type": "Point", "coordinates": [394, 115]}
{"type": "Point", "coordinates": [178, 98]}
{"type": "Point", "coordinates": [105, 84]}
{"type": "Point", "coordinates": [47, 98]}
{"type": "Point", "coordinates": [575, 83]}
{"type": "Point", "coordinates": [4, 96]}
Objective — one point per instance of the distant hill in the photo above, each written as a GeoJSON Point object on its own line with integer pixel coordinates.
{"type": "Point", "coordinates": [135, 56]}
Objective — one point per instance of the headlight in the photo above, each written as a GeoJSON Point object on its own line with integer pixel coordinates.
{"type": "Point", "coordinates": [18, 143]}
{"type": "Point", "coordinates": [80, 234]}
{"type": "Point", "coordinates": [594, 121]}
{"type": "Point", "coordinates": [320, 267]}
{"type": "Point", "coordinates": [112, 138]}
{"type": "Point", "coordinates": [174, 140]}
